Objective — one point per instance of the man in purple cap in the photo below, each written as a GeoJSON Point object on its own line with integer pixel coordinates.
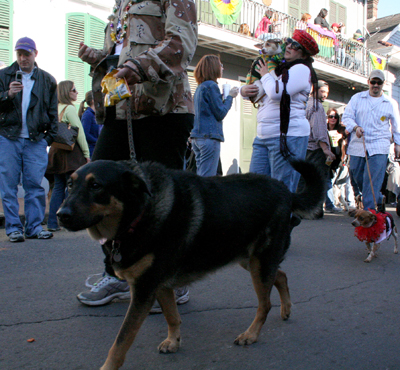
{"type": "Point", "coordinates": [28, 124]}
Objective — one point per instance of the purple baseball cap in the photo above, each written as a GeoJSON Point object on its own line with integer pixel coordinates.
{"type": "Point", "coordinates": [25, 43]}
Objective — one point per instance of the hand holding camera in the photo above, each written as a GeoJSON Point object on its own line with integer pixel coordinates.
{"type": "Point", "coordinates": [15, 86]}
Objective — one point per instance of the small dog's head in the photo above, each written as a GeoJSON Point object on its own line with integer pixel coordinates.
{"type": "Point", "coordinates": [100, 192]}
{"type": "Point", "coordinates": [362, 218]}
{"type": "Point", "coordinates": [270, 47]}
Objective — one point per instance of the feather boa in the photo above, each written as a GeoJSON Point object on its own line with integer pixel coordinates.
{"type": "Point", "coordinates": [372, 233]}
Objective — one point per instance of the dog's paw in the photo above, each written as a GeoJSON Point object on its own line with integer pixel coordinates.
{"type": "Point", "coordinates": [169, 346]}
{"type": "Point", "coordinates": [285, 311]}
{"type": "Point", "coordinates": [246, 339]}
{"type": "Point", "coordinates": [367, 260]}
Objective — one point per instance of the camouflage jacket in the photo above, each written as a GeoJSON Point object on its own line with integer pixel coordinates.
{"type": "Point", "coordinates": [161, 36]}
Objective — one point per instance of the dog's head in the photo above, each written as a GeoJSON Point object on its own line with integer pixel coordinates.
{"type": "Point", "coordinates": [270, 47]}
{"type": "Point", "coordinates": [99, 193]}
{"type": "Point", "coordinates": [362, 218]}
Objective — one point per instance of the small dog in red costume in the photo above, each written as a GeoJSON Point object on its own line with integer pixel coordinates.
{"type": "Point", "coordinates": [373, 227]}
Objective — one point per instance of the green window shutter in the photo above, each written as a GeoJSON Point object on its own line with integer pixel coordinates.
{"type": "Point", "coordinates": [337, 13]}
{"type": "Point", "coordinates": [303, 7]}
{"type": "Point", "coordinates": [294, 8]}
{"type": "Point", "coordinates": [90, 30]}
{"type": "Point", "coordinates": [297, 8]}
{"type": "Point", "coordinates": [6, 47]}
{"type": "Point", "coordinates": [76, 69]}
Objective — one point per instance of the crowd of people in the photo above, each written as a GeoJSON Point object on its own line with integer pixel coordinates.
{"type": "Point", "coordinates": [291, 121]}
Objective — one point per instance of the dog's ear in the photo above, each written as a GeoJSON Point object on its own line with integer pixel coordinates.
{"type": "Point", "coordinates": [259, 46]}
{"type": "Point", "coordinates": [352, 212]}
{"type": "Point", "coordinates": [132, 181]}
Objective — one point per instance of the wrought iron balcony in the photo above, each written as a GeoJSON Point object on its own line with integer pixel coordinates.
{"type": "Point", "coordinates": [350, 55]}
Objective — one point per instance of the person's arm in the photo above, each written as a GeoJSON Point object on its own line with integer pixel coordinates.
{"type": "Point", "coordinates": [71, 116]}
{"type": "Point", "coordinates": [349, 118]}
{"type": "Point", "coordinates": [171, 57]}
{"type": "Point", "coordinates": [218, 107]}
{"type": "Point", "coordinates": [52, 114]}
{"type": "Point", "coordinates": [395, 125]}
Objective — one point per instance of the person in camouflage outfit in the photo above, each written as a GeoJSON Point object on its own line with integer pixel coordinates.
{"type": "Point", "coordinates": [152, 42]}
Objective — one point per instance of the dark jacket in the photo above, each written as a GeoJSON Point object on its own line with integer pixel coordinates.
{"type": "Point", "coordinates": [42, 115]}
{"type": "Point", "coordinates": [210, 111]}
{"type": "Point", "coordinates": [92, 129]}
{"type": "Point", "coordinates": [322, 22]}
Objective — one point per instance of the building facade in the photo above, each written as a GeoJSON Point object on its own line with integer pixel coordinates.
{"type": "Point", "coordinates": [58, 26]}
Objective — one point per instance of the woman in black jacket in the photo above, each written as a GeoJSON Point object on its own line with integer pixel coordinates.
{"type": "Point", "coordinates": [320, 20]}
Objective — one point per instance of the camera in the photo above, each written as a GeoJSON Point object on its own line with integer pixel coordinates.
{"type": "Point", "coordinates": [18, 76]}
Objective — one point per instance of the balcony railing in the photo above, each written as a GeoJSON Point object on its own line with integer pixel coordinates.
{"type": "Point", "coordinates": [347, 54]}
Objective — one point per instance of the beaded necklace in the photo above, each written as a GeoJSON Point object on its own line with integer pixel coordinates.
{"type": "Point", "coordinates": [119, 34]}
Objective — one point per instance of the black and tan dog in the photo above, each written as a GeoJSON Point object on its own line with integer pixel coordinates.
{"type": "Point", "coordinates": [166, 228]}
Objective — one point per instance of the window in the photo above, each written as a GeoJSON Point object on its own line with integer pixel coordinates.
{"type": "Point", "coordinates": [297, 8]}
{"type": "Point", "coordinates": [337, 13]}
{"type": "Point", "coordinates": [6, 47]}
{"type": "Point", "coordinates": [90, 30]}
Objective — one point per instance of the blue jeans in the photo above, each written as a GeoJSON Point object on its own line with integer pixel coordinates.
{"type": "Point", "coordinates": [30, 159]}
{"type": "Point", "coordinates": [377, 166]}
{"type": "Point", "coordinates": [58, 195]}
{"type": "Point", "coordinates": [207, 153]}
{"type": "Point", "coordinates": [268, 160]}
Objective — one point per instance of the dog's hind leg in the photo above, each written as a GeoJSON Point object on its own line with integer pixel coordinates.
{"type": "Point", "coordinates": [396, 248]}
{"type": "Point", "coordinates": [263, 291]}
{"type": "Point", "coordinates": [283, 289]}
{"type": "Point", "coordinates": [166, 299]}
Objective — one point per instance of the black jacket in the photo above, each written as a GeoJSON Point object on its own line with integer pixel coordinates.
{"type": "Point", "coordinates": [42, 115]}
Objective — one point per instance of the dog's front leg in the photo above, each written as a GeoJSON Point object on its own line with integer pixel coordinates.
{"type": "Point", "coordinates": [166, 299]}
{"type": "Point", "coordinates": [137, 313]}
{"type": "Point", "coordinates": [372, 254]}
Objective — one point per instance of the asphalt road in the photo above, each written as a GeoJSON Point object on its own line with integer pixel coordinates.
{"type": "Point", "coordinates": [345, 312]}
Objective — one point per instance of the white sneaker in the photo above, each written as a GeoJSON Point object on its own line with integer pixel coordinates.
{"type": "Point", "coordinates": [104, 290]}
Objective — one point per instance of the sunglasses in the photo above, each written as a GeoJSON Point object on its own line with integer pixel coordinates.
{"type": "Point", "coordinates": [380, 82]}
{"type": "Point", "coordinates": [74, 90]}
{"type": "Point", "coordinates": [332, 116]}
{"type": "Point", "coordinates": [293, 44]}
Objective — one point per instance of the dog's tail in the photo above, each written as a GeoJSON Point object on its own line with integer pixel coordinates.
{"type": "Point", "coordinates": [307, 201]}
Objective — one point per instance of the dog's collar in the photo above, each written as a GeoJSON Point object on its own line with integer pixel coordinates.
{"type": "Point", "coordinates": [116, 242]}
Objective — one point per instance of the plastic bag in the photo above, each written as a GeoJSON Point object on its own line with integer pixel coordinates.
{"type": "Point", "coordinates": [115, 89]}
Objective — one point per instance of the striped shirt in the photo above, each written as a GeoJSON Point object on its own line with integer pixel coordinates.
{"type": "Point", "coordinates": [379, 118]}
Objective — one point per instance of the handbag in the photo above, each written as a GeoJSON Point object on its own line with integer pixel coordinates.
{"type": "Point", "coordinates": [66, 135]}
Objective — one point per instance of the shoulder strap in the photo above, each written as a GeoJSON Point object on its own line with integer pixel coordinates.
{"type": "Point", "coordinates": [61, 115]}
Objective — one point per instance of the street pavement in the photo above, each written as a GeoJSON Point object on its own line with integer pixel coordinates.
{"type": "Point", "coordinates": [345, 312]}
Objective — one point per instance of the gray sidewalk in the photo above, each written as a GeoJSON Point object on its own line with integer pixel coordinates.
{"type": "Point", "coordinates": [345, 312]}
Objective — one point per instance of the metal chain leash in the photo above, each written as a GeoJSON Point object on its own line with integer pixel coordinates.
{"type": "Point", "coordinates": [132, 152]}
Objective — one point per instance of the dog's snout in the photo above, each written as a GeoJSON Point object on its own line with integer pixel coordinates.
{"type": "Point", "coordinates": [64, 214]}
{"type": "Point", "coordinates": [355, 223]}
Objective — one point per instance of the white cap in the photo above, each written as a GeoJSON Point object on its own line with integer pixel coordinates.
{"type": "Point", "coordinates": [377, 73]}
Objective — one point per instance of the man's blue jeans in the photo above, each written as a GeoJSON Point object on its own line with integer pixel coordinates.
{"type": "Point", "coordinates": [207, 153]}
{"type": "Point", "coordinates": [30, 159]}
{"type": "Point", "coordinates": [377, 166]}
{"type": "Point", "coordinates": [268, 160]}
